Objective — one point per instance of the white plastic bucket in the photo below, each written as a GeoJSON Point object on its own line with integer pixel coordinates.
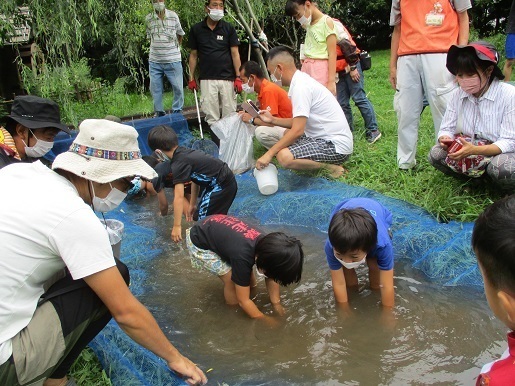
{"type": "Point", "coordinates": [115, 231]}
{"type": "Point", "coordinates": [267, 179]}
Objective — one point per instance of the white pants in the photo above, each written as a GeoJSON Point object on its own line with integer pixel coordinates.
{"type": "Point", "coordinates": [268, 136]}
{"type": "Point", "coordinates": [216, 93]}
{"type": "Point", "coordinates": [419, 75]}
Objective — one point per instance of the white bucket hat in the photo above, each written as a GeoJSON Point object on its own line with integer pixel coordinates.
{"type": "Point", "coordinates": [104, 151]}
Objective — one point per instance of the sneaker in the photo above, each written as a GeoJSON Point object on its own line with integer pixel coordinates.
{"type": "Point", "coordinates": [373, 136]}
{"type": "Point", "coordinates": [176, 111]}
{"type": "Point", "coordinates": [159, 114]}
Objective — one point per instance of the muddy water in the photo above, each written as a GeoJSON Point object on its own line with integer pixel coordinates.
{"type": "Point", "coordinates": [435, 335]}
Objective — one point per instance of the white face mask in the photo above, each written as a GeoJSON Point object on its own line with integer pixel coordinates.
{"type": "Point", "coordinates": [304, 21]}
{"type": "Point", "coordinates": [110, 202]}
{"type": "Point", "coordinates": [159, 7]}
{"type": "Point", "coordinates": [216, 14]}
{"type": "Point", "coordinates": [39, 149]}
{"type": "Point", "coordinates": [278, 82]}
{"type": "Point", "coordinates": [246, 88]}
{"type": "Point", "coordinates": [352, 265]}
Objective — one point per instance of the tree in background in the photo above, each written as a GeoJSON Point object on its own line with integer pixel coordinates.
{"type": "Point", "coordinates": [368, 21]}
{"type": "Point", "coordinates": [489, 17]}
{"type": "Point", "coordinates": [111, 34]}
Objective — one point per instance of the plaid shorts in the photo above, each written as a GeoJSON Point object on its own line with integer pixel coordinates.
{"type": "Point", "coordinates": [316, 149]}
{"type": "Point", "coordinates": [204, 259]}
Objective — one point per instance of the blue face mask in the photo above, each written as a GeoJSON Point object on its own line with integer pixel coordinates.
{"type": "Point", "coordinates": [136, 186]}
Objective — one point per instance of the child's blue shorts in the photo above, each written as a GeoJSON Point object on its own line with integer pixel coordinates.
{"type": "Point", "coordinates": [510, 46]}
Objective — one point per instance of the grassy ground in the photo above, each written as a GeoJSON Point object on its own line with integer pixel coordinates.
{"type": "Point", "coordinates": [371, 166]}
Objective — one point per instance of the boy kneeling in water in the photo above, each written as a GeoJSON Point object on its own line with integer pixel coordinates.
{"type": "Point", "coordinates": [359, 233]}
{"type": "Point", "coordinates": [228, 247]}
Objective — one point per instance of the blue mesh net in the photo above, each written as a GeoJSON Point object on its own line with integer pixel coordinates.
{"type": "Point", "coordinates": [441, 250]}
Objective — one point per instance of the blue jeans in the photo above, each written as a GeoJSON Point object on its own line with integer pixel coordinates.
{"type": "Point", "coordinates": [173, 72]}
{"type": "Point", "coordinates": [346, 88]}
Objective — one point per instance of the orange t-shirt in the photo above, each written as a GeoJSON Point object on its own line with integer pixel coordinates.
{"type": "Point", "coordinates": [427, 27]}
{"type": "Point", "coordinates": [275, 99]}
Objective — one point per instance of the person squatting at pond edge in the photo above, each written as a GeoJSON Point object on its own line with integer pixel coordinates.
{"type": "Point", "coordinates": [319, 48]}
{"type": "Point", "coordinates": [213, 175]}
{"type": "Point", "coordinates": [493, 241]}
{"type": "Point", "coordinates": [229, 248]}
{"type": "Point", "coordinates": [319, 135]}
{"type": "Point", "coordinates": [480, 118]}
{"type": "Point", "coordinates": [271, 97]}
{"type": "Point", "coordinates": [359, 232]}
{"type": "Point", "coordinates": [30, 130]}
{"type": "Point", "coordinates": [60, 284]}
{"type": "Point", "coordinates": [165, 33]}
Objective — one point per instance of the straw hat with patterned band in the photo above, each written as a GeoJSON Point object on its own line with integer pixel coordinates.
{"type": "Point", "coordinates": [483, 50]}
{"type": "Point", "coordinates": [104, 151]}
{"type": "Point", "coordinates": [36, 113]}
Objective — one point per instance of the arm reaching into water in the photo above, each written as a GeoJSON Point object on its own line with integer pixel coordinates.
{"type": "Point", "coordinates": [139, 324]}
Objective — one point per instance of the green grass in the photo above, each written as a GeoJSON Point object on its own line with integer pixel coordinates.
{"type": "Point", "coordinates": [88, 371]}
{"type": "Point", "coordinates": [371, 166]}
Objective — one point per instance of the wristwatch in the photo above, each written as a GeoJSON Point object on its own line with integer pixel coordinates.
{"type": "Point", "coordinates": [352, 68]}
{"type": "Point", "coordinates": [251, 121]}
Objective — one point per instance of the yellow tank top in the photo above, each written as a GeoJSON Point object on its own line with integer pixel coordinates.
{"type": "Point", "coordinates": [315, 45]}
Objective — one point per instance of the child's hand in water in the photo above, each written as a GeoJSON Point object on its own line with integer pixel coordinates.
{"type": "Point", "coordinates": [344, 310]}
{"type": "Point", "coordinates": [278, 309]}
{"type": "Point", "coordinates": [270, 321]}
{"type": "Point", "coordinates": [191, 211]}
{"type": "Point", "coordinates": [176, 233]}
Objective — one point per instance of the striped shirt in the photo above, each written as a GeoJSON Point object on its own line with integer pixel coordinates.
{"type": "Point", "coordinates": [164, 45]}
{"type": "Point", "coordinates": [491, 116]}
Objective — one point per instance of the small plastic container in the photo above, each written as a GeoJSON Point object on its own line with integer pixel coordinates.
{"type": "Point", "coordinates": [115, 231]}
{"type": "Point", "coordinates": [267, 179]}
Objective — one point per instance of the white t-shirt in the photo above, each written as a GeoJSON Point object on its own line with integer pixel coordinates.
{"type": "Point", "coordinates": [325, 117]}
{"type": "Point", "coordinates": [44, 226]}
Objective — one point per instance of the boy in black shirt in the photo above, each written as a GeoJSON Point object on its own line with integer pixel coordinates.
{"type": "Point", "coordinates": [164, 180]}
{"type": "Point", "coordinates": [214, 176]}
{"type": "Point", "coordinates": [228, 247]}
